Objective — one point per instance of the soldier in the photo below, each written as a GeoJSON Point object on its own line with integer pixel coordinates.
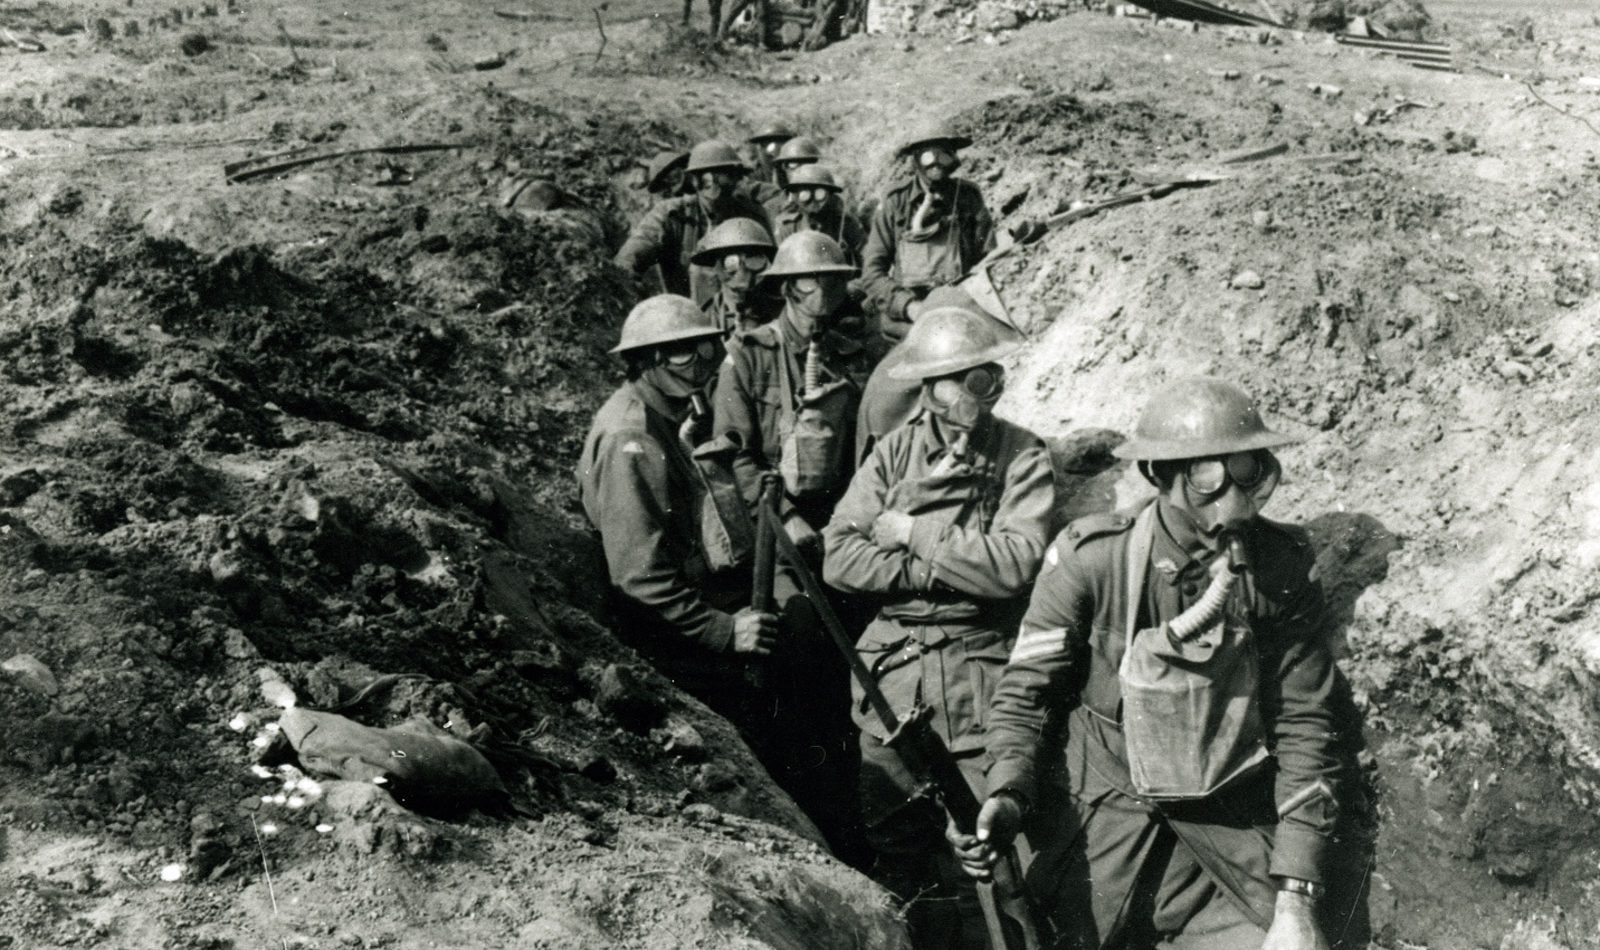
{"type": "Point", "coordinates": [1187, 642]}
{"type": "Point", "coordinates": [789, 390]}
{"type": "Point", "coordinates": [927, 232]}
{"type": "Point", "coordinates": [887, 402]}
{"type": "Point", "coordinates": [767, 142]}
{"type": "Point", "coordinates": [666, 236]}
{"type": "Point", "coordinates": [738, 251]}
{"type": "Point", "coordinates": [815, 203]}
{"type": "Point", "coordinates": [795, 154]}
{"type": "Point", "coordinates": [663, 174]}
{"type": "Point", "coordinates": [638, 485]}
{"type": "Point", "coordinates": [944, 527]}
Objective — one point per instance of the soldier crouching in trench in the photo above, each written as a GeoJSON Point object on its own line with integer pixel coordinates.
{"type": "Point", "coordinates": [1183, 650]}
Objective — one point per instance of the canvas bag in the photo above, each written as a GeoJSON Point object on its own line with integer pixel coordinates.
{"type": "Point", "coordinates": [1190, 720]}
{"type": "Point", "coordinates": [727, 534]}
{"type": "Point", "coordinates": [813, 451]}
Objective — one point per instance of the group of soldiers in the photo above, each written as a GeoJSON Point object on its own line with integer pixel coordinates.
{"type": "Point", "coordinates": [1143, 702]}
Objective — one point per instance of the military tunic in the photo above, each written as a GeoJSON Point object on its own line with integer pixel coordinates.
{"type": "Point", "coordinates": [667, 236]}
{"type": "Point", "coordinates": [947, 613]}
{"type": "Point", "coordinates": [897, 270]}
{"type": "Point", "coordinates": [639, 490]}
{"type": "Point", "coordinates": [1118, 864]}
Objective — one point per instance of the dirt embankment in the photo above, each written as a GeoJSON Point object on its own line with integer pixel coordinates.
{"type": "Point", "coordinates": [323, 425]}
{"type": "Point", "coordinates": [320, 429]}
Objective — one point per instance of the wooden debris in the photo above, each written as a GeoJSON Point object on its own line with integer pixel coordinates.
{"type": "Point", "coordinates": [285, 161]}
{"type": "Point", "coordinates": [22, 41]}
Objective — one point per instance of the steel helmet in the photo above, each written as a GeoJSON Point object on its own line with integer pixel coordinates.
{"type": "Point", "coordinates": [1196, 417]}
{"type": "Point", "coordinates": [947, 340]}
{"type": "Point", "coordinates": [731, 235]}
{"type": "Point", "coordinates": [664, 318]}
{"type": "Point", "coordinates": [772, 132]}
{"type": "Point", "coordinates": [799, 150]}
{"type": "Point", "coordinates": [813, 176]}
{"type": "Point", "coordinates": [662, 165]}
{"type": "Point", "coordinates": [807, 254]}
{"type": "Point", "coordinates": [712, 155]}
{"type": "Point", "coordinates": [933, 135]}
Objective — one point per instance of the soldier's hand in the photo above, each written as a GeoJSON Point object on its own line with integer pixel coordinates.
{"type": "Point", "coordinates": [754, 631]}
{"type": "Point", "coordinates": [891, 530]}
{"type": "Point", "coordinates": [1294, 925]}
{"type": "Point", "coordinates": [998, 823]}
{"type": "Point", "coordinates": [914, 309]}
{"type": "Point", "coordinates": [802, 534]}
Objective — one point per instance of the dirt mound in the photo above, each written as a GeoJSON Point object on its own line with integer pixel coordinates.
{"type": "Point", "coordinates": [1437, 379]}
{"type": "Point", "coordinates": [336, 447]}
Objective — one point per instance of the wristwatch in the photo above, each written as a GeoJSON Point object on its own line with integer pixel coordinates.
{"type": "Point", "coordinates": [1295, 885]}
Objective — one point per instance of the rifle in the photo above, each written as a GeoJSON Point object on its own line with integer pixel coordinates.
{"type": "Point", "coordinates": [1010, 918]}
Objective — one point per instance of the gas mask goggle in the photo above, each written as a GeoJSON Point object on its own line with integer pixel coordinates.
{"type": "Point", "coordinates": [937, 156]}
{"type": "Point", "coordinates": [771, 147]}
{"type": "Point", "coordinates": [811, 198]}
{"type": "Point", "coordinates": [961, 400]}
{"type": "Point", "coordinates": [741, 269]}
{"type": "Point", "coordinates": [1208, 485]}
{"type": "Point", "coordinates": [683, 368]}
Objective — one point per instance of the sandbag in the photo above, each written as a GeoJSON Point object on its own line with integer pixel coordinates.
{"type": "Point", "coordinates": [422, 766]}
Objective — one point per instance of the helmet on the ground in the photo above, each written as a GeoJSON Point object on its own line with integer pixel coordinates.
{"type": "Point", "coordinates": [771, 132]}
{"type": "Point", "coordinates": [933, 136]}
{"type": "Point", "coordinates": [813, 176]}
{"type": "Point", "coordinates": [799, 150]}
{"type": "Point", "coordinates": [1196, 417]}
{"type": "Point", "coordinates": [950, 339]}
{"type": "Point", "coordinates": [662, 165]}
{"type": "Point", "coordinates": [734, 234]}
{"type": "Point", "coordinates": [712, 156]}
{"type": "Point", "coordinates": [808, 254]}
{"type": "Point", "coordinates": [664, 318]}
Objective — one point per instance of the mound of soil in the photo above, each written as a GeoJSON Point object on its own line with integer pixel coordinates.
{"type": "Point", "coordinates": [335, 448]}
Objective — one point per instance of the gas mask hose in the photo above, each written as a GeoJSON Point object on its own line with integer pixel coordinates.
{"type": "Point", "coordinates": [1208, 609]}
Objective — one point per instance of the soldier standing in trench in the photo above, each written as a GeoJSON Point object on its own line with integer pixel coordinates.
{"type": "Point", "coordinates": [766, 181]}
{"type": "Point", "coordinates": [788, 395]}
{"type": "Point", "coordinates": [666, 236]}
{"type": "Point", "coordinates": [637, 484]}
{"type": "Point", "coordinates": [738, 251]}
{"type": "Point", "coordinates": [816, 203]}
{"type": "Point", "coordinates": [943, 528]}
{"type": "Point", "coordinates": [927, 232]}
{"type": "Point", "coordinates": [1183, 650]}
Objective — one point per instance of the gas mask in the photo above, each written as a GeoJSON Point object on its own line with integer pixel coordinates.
{"type": "Point", "coordinates": [738, 271]}
{"type": "Point", "coordinates": [935, 164]}
{"type": "Point", "coordinates": [714, 187]}
{"type": "Point", "coordinates": [1222, 494]}
{"type": "Point", "coordinates": [681, 369]}
{"type": "Point", "coordinates": [963, 400]}
{"type": "Point", "coordinates": [812, 302]}
{"type": "Point", "coordinates": [810, 199]}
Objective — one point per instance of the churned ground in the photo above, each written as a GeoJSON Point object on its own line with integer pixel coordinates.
{"type": "Point", "coordinates": [318, 427]}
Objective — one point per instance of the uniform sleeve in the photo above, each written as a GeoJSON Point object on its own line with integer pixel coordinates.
{"type": "Point", "coordinates": [1299, 704]}
{"type": "Point", "coordinates": [1043, 677]}
{"type": "Point", "coordinates": [852, 562]}
{"type": "Point", "coordinates": [877, 260]}
{"type": "Point", "coordinates": [631, 499]}
{"type": "Point", "coordinates": [1002, 561]}
{"type": "Point", "coordinates": [734, 415]}
{"type": "Point", "coordinates": [643, 247]}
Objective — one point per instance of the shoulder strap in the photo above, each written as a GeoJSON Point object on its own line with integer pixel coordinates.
{"type": "Point", "coordinates": [1140, 540]}
{"type": "Point", "coordinates": [785, 393]}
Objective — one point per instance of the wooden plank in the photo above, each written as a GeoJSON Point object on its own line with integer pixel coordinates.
{"type": "Point", "coordinates": [286, 161]}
